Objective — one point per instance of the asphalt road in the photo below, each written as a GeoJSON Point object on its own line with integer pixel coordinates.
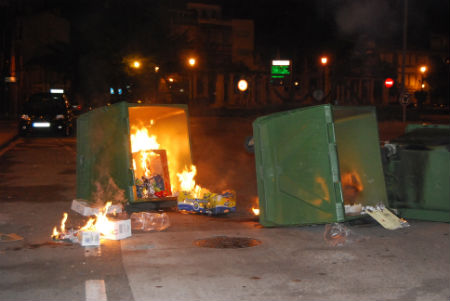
{"type": "Point", "coordinates": [37, 184]}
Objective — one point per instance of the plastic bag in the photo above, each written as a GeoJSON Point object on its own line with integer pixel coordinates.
{"type": "Point", "coordinates": [336, 234]}
{"type": "Point", "coordinates": [149, 221]}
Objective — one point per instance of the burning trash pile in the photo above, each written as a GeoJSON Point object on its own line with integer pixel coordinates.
{"type": "Point", "coordinates": [152, 166]}
{"type": "Point", "coordinates": [114, 227]}
{"type": "Point", "coordinates": [194, 198]}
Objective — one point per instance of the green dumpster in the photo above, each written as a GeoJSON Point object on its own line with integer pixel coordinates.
{"type": "Point", "coordinates": [110, 166]}
{"type": "Point", "coordinates": [317, 164]}
{"type": "Point", "coordinates": [417, 172]}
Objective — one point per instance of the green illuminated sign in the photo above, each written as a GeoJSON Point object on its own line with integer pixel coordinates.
{"type": "Point", "coordinates": [281, 70]}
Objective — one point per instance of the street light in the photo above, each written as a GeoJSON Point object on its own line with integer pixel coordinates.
{"type": "Point", "coordinates": [242, 85]}
{"type": "Point", "coordinates": [423, 69]}
{"type": "Point", "coordinates": [192, 61]}
{"type": "Point", "coordinates": [324, 60]}
{"type": "Point", "coordinates": [136, 64]}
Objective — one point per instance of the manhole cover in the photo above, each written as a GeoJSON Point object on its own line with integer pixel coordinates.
{"type": "Point", "coordinates": [225, 242]}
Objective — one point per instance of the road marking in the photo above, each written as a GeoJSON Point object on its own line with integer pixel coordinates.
{"type": "Point", "coordinates": [95, 290]}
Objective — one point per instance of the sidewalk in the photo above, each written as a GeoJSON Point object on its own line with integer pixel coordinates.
{"type": "Point", "coordinates": [8, 132]}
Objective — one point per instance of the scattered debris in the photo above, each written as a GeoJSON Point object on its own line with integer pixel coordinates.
{"type": "Point", "coordinates": [102, 226]}
{"type": "Point", "coordinates": [336, 234]}
{"type": "Point", "coordinates": [89, 238]}
{"type": "Point", "coordinates": [354, 209]}
{"type": "Point", "coordinates": [11, 237]}
{"type": "Point", "coordinates": [84, 208]}
{"type": "Point", "coordinates": [209, 203]}
{"type": "Point", "coordinates": [385, 217]}
{"type": "Point", "coordinates": [149, 221]}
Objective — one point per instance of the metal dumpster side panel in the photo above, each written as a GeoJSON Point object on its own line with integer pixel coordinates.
{"type": "Point", "coordinates": [103, 154]}
{"type": "Point", "coordinates": [359, 154]}
{"type": "Point", "coordinates": [297, 174]}
{"type": "Point", "coordinates": [418, 175]}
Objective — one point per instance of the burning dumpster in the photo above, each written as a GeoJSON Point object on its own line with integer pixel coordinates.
{"type": "Point", "coordinates": [319, 164]}
{"type": "Point", "coordinates": [132, 152]}
{"type": "Point", "coordinates": [417, 171]}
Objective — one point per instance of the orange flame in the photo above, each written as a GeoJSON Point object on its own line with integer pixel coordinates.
{"type": "Point", "coordinates": [63, 222]}
{"type": "Point", "coordinates": [187, 182]}
{"type": "Point", "coordinates": [55, 232]}
{"type": "Point", "coordinates": [100, 223]}
{"type": "Point", "coordinates": [141, 145]}
{"type": "Point", "coordinates": [255, 211]}
{"type": "Point", "coordinates": [142, 141]}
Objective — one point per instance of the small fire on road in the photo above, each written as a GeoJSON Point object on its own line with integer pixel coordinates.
{"type": "Point", "coordinates": [101, 224]}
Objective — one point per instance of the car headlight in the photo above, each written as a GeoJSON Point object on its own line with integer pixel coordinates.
{"type": "Point", "coordinates": [59, 116]}
{"type": "Point", "coordinates": [25, 117]}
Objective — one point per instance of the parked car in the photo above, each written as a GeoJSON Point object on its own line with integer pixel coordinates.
{"type": "Point", "coordinates": [47, 113]}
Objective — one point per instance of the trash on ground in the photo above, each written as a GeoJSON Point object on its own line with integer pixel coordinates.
{"type": "Point", "coordinates": [89, 238]}
{"type": "Point", "coordinates": [209, 203]}
{"type": "Point", "coordinates": [86, 209]}
{"type": "Point", "coordinates": [354, 209]}
{"type": "Point", "coordinates": [385, 217]}
{"type": "Point", "coordinates": [9, 237]}
{"type": "Point", "coordinates": [149, 221]}
{"type": "Point", "coordinates": [193, 198]}
{"type": "Point", "coordinates": [336, 234]}
{"type": "Point", "coordinates": [113, 228]}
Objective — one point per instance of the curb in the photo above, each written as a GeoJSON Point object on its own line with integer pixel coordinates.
{"type": "Point", "coordinates": [5, 144]}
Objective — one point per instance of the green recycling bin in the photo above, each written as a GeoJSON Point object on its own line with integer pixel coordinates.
{"type": "Point", "coordinates": [417, 172]}
{"type": "Point", "coordinates": [132, 152]}
{"type": "Point", "coordinates": [318, 164]}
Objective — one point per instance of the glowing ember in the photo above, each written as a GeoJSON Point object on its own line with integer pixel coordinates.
{"type": "Point", "coordinates": [351, 187]}
{"type": "Point", "coordinates": [187, 182]}
{"type": "Point", "coordinates": [255, 211]}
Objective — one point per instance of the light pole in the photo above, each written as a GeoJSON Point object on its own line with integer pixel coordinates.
{"type": "Point", "coordinates": [324, 62]}
{"type": "Point", "coordinates": [192, 62]}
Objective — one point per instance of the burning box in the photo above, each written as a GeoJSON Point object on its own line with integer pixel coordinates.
{"type": "Point", "coordinates": [120, 229]}
{"type": "Point", "coordinates": [89, 238]}
{"type": "Point", "coordinates": [84, 208]}
{"type": "Point", "coordinates": [210, 203]}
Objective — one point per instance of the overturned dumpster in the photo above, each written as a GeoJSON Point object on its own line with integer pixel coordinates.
{"type": "Point", "coordinates": [417, 172]}
{"type": "Point", "coordinates": [318, 164]}
{"type": "Point", "coordinates": [132, 151]}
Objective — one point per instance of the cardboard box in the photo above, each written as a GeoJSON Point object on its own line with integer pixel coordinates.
{"type": "Point", "coordinates": [89, 238]}
{"type": "Point", "coordinates": [84, 208]}
{"type": "Point", "coordinates": [211, 203]}
{"type": "Point", "coordinates": [121, 229]}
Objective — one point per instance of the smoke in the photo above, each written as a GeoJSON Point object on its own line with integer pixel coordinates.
{"type": "Point", "coordinates": [373, 18]}
{"type": "Point", "coordinates": [107, 190]}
